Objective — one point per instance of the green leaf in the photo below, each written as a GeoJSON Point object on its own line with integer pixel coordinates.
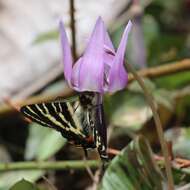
{"type": "Point", "coordinates": [150, 29]}
{"type": "Point", "coordinates": [7, 179]}
{"type": "Point", "coordinates": [42, 142]}
{"type": "Point", "coordinates": [174, 81]}
{"type": "Point", "coordinates": [133, 169]}
{"type": "Point", "coordinates": [51, 144]}
{"type": "Point", "coordinates": [161, 96]}
{"type": "Point", "coordinates": [132, 112]}
{"type": "Point", "coordinates": [46, 36]}
{"type": "Point", "coordinates": [24, 185]}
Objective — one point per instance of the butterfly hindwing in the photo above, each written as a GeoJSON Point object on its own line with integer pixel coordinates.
{"type": "Point", "coordinates": [95, 120]}
{"type": "Point", "coordinates": [100, 132]}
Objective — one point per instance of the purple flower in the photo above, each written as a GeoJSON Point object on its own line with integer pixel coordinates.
{"type": "Point", "coordinates": [100, 68]}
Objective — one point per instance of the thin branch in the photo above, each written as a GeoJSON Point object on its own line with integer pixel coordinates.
{"type": "Point", "coordinates": [178, 164]}
{"type": "Point", "coordinates": [81, 165]}
{"type": "Point", "coordinates": [154, 72]}
{"type": "Point", "coordinates": [44, 165]}
{"type": "Point", "coordinates": [52, 186]}
{"type": "Point", "coordinates": [73, 28]}
{"type": "Point", "coordinates": [164, 70]}
{"type": "Point", "coordinates": [89, 171]}
{"type": "Point", "coordinates": [36, 99]}
{"type": "Point", "coordinates": [159, 128]}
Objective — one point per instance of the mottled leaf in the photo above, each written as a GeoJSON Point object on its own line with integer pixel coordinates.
{"type": "Point", "coordinates": [133, 169]}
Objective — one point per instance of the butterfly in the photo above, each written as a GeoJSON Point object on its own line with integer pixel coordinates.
{"type": "Point", "coordinates": [80, 120]}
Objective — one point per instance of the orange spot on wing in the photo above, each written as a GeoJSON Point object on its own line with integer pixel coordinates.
{"type": "Point", "coordinates": [90, 139]}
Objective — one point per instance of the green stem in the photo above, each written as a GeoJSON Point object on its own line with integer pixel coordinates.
{"type": "Point", "coordinates": [44, 165]}
{"type": "Point", "coordinates": [159, 128]}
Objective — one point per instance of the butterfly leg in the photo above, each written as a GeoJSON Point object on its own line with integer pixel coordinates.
{"type": "Point", "coordinates": [85, 152]}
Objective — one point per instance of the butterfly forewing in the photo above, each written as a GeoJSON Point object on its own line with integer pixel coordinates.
{"type": "Point", "coordinates": [80, 120]}
{"type": "Point", "coordinates": [60, 116]}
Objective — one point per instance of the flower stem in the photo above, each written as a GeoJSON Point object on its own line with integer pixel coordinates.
{"type": "Point", "coordinates": [159, 128]}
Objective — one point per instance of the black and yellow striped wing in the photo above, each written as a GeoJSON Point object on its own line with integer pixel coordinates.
{"type": "Point", "coordinates": [94, 119]}
{"type": "Point", "coordinates": [79, 120]}
{"type": "Point", "coordinates": [62, 117]}
{"type": "Point", "coordinates": [100, 132]}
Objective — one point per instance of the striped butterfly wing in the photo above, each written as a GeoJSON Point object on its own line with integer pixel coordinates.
{"type": "Point", "coordinates": [94, 119]}
{"type": "Point", "coordinates": [100, 132]}
{"type": "Point", "coordinates": [60, 116]}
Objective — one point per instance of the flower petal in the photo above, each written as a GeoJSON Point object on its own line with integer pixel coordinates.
{"type": "Point", "coordinates": [66, 53]}
{"type": "Point", "coordinates": [109, 50]}
{"type": "Point", "coordinates": [118, 76]}
{"type": "Point", "coordinates": [76, 74]}
{"type": "Point", "coordinates": [92, 67]}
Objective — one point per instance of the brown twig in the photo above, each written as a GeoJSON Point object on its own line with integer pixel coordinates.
{"type": "Point", "coordinates": [179, 162]}
{"type": "Point", "coordinates": [183, 163]}
{"type": "Point", "coordinates": [15, 107]}
{"type": "Point", "coordinates": [95, 184]}
{"type": "Point", "coordinates": [89, 171]}
{"type": "Point", "coordinates": [113, 151]}
{"type": "Point", "coordinates": [52, 186]}
{"type": "Point", "coordinates": [155, 72]}
{"type": "Point", "coordinates": [167, 69]}
{"type": "Point", "coordinates": [73, 28]}
{"type": "Point", "coordinates": [36, 99]}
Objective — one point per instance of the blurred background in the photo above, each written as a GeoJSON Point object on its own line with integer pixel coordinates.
{"type": "Point", "coordinates": [31, 72]}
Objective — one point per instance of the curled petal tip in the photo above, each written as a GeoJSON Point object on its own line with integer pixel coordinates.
{"type": "Point", "coordinates": [99, 19]}
{"type": "Point", "coordinates": [130, 23]}
{"type": "Point", "coordinates": [118, 75]}
{"type": "Point", "coordinates": [92, 68]}
{"type": "Point", "coordinates": [61, 24]}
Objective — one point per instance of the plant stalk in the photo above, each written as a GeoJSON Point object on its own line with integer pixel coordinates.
{"type": "Point", "coordinates": [159, 128]}
{"type": "Point", "coordinates": [44, 165]}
